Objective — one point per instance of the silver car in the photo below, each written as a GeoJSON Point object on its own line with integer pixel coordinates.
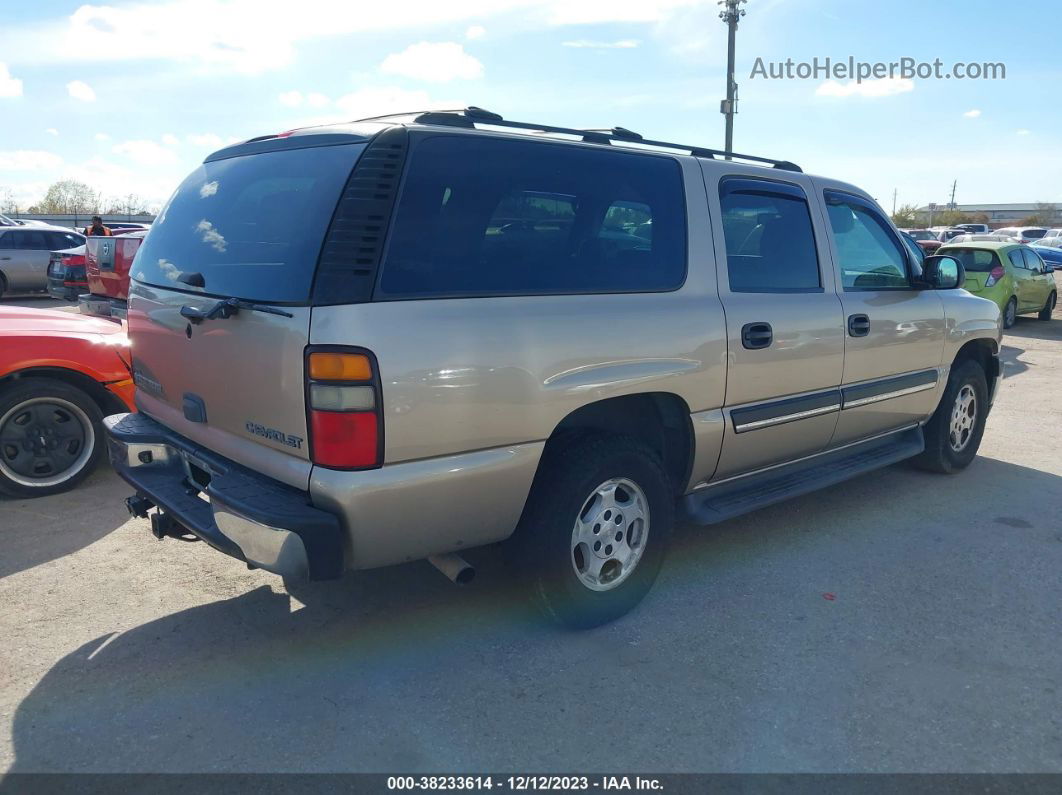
{"type": "Point", "coordinates": [397, 339]}
{"type": "Point", "coordinates": [25, 253]}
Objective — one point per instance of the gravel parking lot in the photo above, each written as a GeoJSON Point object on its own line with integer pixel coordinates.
{"type": "Point", "coordinates": [903, 622]}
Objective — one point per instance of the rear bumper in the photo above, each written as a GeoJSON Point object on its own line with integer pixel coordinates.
{"type": "Point", "coordinates": [244, 514]}
{"type": "Point", "coordinates": [58, 289]}
{"type": "Point", "coordinates": [99, 306]}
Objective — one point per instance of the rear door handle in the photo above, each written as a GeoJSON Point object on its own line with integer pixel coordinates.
{"type": "Point", "coordinates": [756, 336]}
{"type": "Point", "coordinates": [858, 325]}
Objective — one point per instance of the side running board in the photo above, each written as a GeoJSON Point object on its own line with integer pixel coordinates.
{"type": "Point", "coordinates": [729, 499]}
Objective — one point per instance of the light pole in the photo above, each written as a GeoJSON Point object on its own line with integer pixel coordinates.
{"type": "Point", "coordinates": [728, 107]}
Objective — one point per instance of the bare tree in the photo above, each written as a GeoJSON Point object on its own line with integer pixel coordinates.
{"type": "Point", "coordinates": [69, 197]}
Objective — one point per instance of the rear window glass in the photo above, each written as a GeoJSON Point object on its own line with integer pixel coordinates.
{"type": "Point", "coordinates": [252, 226]}
{"type": "Point", "coordinates": [1034, 234]}
{"type": "Point", "coordinates": [481, 216]}
{"type": "Point", "coordinates": [973, 259]}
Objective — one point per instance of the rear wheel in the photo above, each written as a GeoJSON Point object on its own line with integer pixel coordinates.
{"type": "Point", "coordinates": [1049, 307]}
{"type": "Point", "coordinates": [1010, 312]}
{"type": "Point", "coordinates": [51, 437]}
{"type": "Point", "coordinates": [595, 529]}
{"type": "Point", "coordinates": [954, 432]}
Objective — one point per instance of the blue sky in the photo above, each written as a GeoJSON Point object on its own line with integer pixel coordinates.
{"type": "Point", "coordinates": [130, 96]}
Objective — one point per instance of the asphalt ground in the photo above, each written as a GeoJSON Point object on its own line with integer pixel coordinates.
{"type": "Point", "coordinates": [901, 622]}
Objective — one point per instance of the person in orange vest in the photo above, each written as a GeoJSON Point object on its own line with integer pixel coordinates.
{"type": "Point", "coordinates": [97, 229]}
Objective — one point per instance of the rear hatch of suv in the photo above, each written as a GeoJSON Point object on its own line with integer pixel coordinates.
{"type": "Point", "coordinates": [248, 225]}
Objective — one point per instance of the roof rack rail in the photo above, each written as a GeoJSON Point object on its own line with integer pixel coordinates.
{"type": "Point", "coordinates": [471, 116]}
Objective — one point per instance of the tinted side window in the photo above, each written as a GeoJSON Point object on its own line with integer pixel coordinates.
{"type": "Point", "coordinates": [770, 244]}
{"type": "Point", "coordinates": [32, 241]}
{"type": "Point", "coordinates": [1032, 260]}
{"type": "Point", "coordinates": [483, 216]}
{"type": "Point", "coordinates": [869, 256]}
{"type": "Point", "coordinates": [61, 240]}
{"type": "Point", "coordinates": [1016, 259]}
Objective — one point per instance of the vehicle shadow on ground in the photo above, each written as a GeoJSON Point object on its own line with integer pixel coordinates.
{"type": "Point", "coordinates": [1033, 329]}
{"type": "Point", "coordinates": [399, 670]}
{"type": "Point", "coordinates": [36, 531]}
{"type": "Point", "coordinates": [1012, 364]}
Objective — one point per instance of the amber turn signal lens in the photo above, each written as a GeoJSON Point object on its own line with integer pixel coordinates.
{"type": "Point", "coordinates": [340, 367]}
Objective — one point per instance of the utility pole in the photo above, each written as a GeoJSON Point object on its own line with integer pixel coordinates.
{"type": "Point", "coordinates": [728, 107]}
{"type": "Point", "coordinates": [894, 201]}
{"type": "Point", "coordinates": [951, 205]}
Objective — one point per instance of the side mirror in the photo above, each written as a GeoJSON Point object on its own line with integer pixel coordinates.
{"type": "Point", "coordinates": [941, 272]}
{"type": "Point", "coordinates": [1049, 268]}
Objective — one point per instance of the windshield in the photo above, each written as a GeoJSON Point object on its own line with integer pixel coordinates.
{"type": "Point", "coordinates": [977, 260]}
{"type": "Point", "coordinates": [251, 226]}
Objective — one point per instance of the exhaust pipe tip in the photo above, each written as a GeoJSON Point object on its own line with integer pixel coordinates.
{"type": "Point", "coordinates": [457, 569]}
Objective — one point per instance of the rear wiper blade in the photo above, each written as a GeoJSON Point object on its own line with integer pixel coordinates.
{"type": "Point", "coordinates": [226, 308]}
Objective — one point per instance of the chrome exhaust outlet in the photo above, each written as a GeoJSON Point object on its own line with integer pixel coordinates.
{"type": "Point", "coordinates": [456, 568]}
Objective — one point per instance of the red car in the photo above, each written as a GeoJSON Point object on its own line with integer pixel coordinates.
{"type": "Point", "coordinates": [926, 239]}
{"type": "Point", "coordinates": [107, 264]}
{"type": "Point", "coordinates": [60, 374]}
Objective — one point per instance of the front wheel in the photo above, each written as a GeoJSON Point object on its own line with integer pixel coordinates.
{"type": "Point", "coordinates": [51, 437]}
{"type": "Point", "coordinates": [954, 432]}
{"type": "Point", "coordinates": [1049, 307]}
{"type": "Point", "coordinates": [595, 529]}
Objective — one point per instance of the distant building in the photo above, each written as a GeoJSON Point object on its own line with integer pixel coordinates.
{"type": "Point", "coordinates": [999, 215]}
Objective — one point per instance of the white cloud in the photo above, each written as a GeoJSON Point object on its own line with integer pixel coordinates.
{"type": "Point", "coordinates": [211, 236]}
{"type": "Point", "coordinates": [1021, 132]}
{"type": "Point", "coordinates": [208, 189]}
{"type": "Point", "coordinates": [206, 140]}
{"type": "Point", "coordinates": [102, 137]}
{"type": "Point", "coordinates": [291, 99]}
{"type": "Point", "coordinates": [144, 153]}
{"type": "Point", "coordinates": [379, 101]}
{"type": "Point", "coordinates": [433, 62]}
{"type": "Point", "coordinates": [621, 44]}
{"type": "Point", "coordinates": [972, 114]}
{"type": "Point", "coordinates": [248, 35]}
{"type": "Point", "coordinates": [80, 90]}
{"type": "Point", "coordinates": [475, 32]}
{"type": "Point", "coordinates": [52, 131]}
{"type": "Point", "coordinates": [316, 100]}
{"type": "Point", "coordinates": [171, 140]}
{"type": "Point", "coordinates": [9, 86]}
{"type": "Point", "coordinates": [885, 87]}
{"type": "Point", "coordinates": [29, 160]}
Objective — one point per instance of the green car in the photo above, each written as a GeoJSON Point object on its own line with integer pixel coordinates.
{"type": "Point", "coordinates": [1010, 274]}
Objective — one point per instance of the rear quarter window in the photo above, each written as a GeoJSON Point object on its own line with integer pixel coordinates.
{"type": "Point", "coordinates": [484, 216]}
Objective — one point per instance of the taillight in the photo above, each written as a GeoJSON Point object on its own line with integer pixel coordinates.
{"type": "Point", "coordinates": [343, 400]}
{"type": "Point", "coordinates": [995, 275]}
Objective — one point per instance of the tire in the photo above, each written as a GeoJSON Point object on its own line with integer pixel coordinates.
{"type": "Point", "coordinates": [590, 478]}
{"type": "Point", "coordinates": [67, 444]}
{"type": "Point", "coordinates": [1049, 307]}
{"type": "Point", "coordinates": [951, 440]}
{"type": "Point", "coordinates": [1010, 313]}
{"type": "Point", "coordinates": [3, 286]}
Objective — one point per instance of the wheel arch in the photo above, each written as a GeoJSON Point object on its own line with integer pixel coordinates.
{"type": "Point", "coordinates": [661, 420]}
{"type": "Point", "coordinates": [107, 402]}
{"type": "Point", "coordinates": [985, 352]}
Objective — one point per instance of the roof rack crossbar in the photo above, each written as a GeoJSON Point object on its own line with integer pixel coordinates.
{"type": "Point", "coordinates": [471, 116]}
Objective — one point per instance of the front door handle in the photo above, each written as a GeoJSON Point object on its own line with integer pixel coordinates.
{"type": "Point", "coordinates": [858, 325]}
{"type": "Point", "coordinates": [5, 258]}
{"type": "Point", "coordinates": [756, 336]}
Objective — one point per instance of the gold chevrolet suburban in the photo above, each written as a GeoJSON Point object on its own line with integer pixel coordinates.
{"type": "Point", "coordinates": [403, 337]}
